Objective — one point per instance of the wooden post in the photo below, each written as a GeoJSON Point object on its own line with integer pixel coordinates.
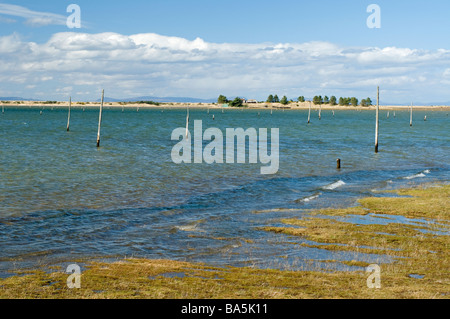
{"type": "Point", "coordinates": [187, 123]}
{"type": "Point", "coordinates": [100, 119]}
{"type": "Point", "coordinates": [320, 111]}
{"type": "Point", "coordinates": [410, 117]}
{"type": "Point", "coordinates": [68, 117]}
{"type": "Point", "coordinates": [376, 123]}
{"type": "Point", "coordinates": [3, 109]}
{"type": "Point", "coordinates": [309, 112]}
{"type": "Point", "coordinates": [338, 163]}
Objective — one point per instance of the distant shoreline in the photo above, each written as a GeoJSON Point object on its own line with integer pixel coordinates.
{"type": "Point", "coordinates": [291, 106]}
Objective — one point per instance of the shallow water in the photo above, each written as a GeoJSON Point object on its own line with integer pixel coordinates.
{"type": "Point", "coordinates": [62, 198]}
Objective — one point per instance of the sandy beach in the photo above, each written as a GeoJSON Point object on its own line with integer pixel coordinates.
{"type": "Point", "coordinates": [292, 106]}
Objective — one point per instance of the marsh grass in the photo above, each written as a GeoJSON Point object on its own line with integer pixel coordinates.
{"type": "Point", "coordinates": [415, 248]}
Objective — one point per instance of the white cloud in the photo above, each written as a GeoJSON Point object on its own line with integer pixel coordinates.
{"type": "Point", "coordinates": [33, 18]}
{"type": "Point", "coordinates": [446, 73]}
{"type": "Point", "coordinates": [141, 63]}
{"type": "Point", "coordinates": [6, 20]}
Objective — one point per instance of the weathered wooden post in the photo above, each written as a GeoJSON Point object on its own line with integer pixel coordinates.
{"type": "Point", "coordinates": [338, 163]}
{"type": "Point", "coordinates": [376, 123]}
{"type": "Point", "coordinates": [309, 112]}
{"type": "Point", "coordinates": [68, 117]}
{"type": "Point", "coordinates": [100, 119]}
{"type": "Point", "coordinates": [410, 117]}
{"type": "Point", "coordinates": [187, 123]}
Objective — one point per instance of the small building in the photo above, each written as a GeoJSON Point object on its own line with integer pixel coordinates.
{"type": "Point", "coordinates": [252, 101]}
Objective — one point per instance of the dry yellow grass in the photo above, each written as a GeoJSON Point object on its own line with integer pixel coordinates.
{"type": "Point", "coordinates": [421, 253]}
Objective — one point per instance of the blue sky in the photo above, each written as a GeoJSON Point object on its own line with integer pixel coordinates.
{"type": "Point", "coordinates": [253, 48]}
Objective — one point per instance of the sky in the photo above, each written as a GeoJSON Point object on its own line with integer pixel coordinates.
{"type": "Point", "coordinates": [246, 48]}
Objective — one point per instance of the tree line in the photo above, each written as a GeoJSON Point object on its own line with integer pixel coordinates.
{"type": "Point", "coordinates": [317, 100]}
{"type": "Point", "coordinates": [343, 101]}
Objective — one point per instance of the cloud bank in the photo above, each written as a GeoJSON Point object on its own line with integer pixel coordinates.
{"type": "Point", "coordinates": [32, 18]}
{"type": "Point", "coordinates": [152, 64]}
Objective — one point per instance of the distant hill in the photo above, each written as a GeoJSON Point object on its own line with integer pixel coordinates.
{"type": "Point", "coordinates": [160, 99]}
{"type": "Point", "coordinates": [134, 99]}
{"type": "Point", "coordinates": [14, 98]}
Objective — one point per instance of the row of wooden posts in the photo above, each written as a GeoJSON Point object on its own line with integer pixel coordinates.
{"type": "Point", "coordinates": [187, 119]}
{"type": "Point", "coordinates": [99, 118]}
{"type": "Point", "coordinates": [377, 118]}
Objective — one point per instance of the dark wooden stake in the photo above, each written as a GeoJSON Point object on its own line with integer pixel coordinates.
{"type": "Point", "coordinates": [376, 123]}
{"type": "Point", "coordinates": [68, 117]}
{"type": "Point", "coordinates": [100, 119]}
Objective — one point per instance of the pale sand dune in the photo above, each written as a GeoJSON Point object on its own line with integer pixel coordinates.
{"type": "Point", "coordinates": [294, 105]}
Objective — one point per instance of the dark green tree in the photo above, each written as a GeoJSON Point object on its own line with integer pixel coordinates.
{"type": "Point", "coordinates": [222, 99]}
{"type": "Point", "coordinates": [276, 99]}
{"type": "Point", "coordinates": [354, 101]}
{"type": "Point", "coordinates": [237, 102]}
{"type": "Point", "coordinates": [317, 100]}
{"type": "Point", "coordinates": [326, 100]}
{"type": "Point", "coordinates": [301, 99]}
{"type": "Point", "coordinates": [333, 100]}
{"type": "Point", "coordinates": [284, 100]}
{"type": "Point", "coordinates": [270, 99]}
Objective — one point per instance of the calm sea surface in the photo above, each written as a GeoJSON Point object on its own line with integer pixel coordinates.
{"type": "Point", "coordinates": [62, 199]}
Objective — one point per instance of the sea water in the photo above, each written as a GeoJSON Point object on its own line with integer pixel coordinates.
{"type": "Point", "coordinates": [62, 198]}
